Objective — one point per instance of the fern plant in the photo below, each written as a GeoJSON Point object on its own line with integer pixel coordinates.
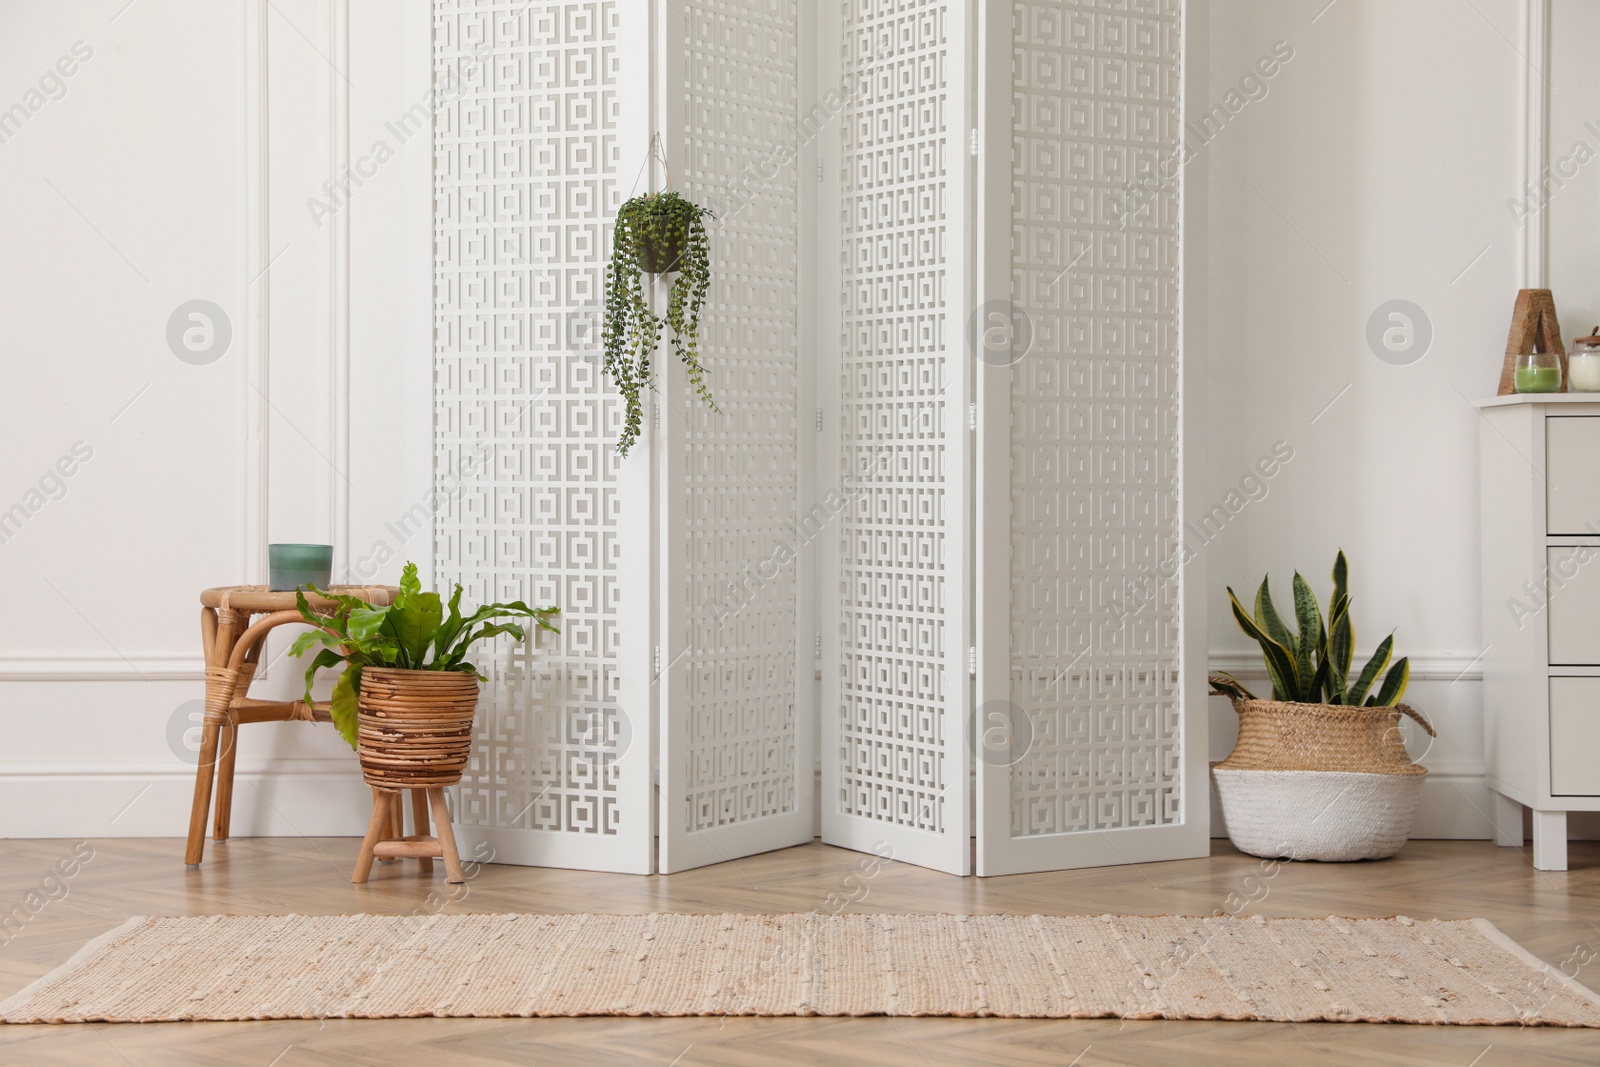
{"type": "Point", "coordinates": [658, 233]}
{"type": "Point", "coordinates": [1311, 664]}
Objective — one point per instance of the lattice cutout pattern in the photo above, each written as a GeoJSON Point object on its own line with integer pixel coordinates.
{"type": "Point", "coordinates": [742, 465]}
{"type": "Point", "coordinates": [1095, 407]}
{"type": "Point", "coordinates": [525, 179]}
{"type": "Point", "coordinates": [896, 369]}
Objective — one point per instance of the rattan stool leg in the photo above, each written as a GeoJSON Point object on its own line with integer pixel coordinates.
{"type": "Point", "coordinates": [394, 825]}
{"type": "Point", "coordinates": [447, 837]}
{"type": "Point", "coordinates": [381, 808]}
{"type": "Point", "coordinates": [204, 772]}
{"type": "Point", "coordinates": [419, 816]}
{"type": "Point", "coordinates": [217, 631]}
{"type": "Point", "coordinates": [228, 747]}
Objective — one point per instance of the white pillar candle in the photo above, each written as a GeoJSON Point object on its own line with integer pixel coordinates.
{"type": "Point", "coordinates": [1583, 372]}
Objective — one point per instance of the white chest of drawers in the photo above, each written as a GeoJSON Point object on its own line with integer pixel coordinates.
{"type": "Point", "coordinates": [1540, 462]}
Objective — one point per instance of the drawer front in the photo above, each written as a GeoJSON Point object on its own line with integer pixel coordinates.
{"type": "Point", "coordinates": [1574, 611]}
{"type": "Point", "coordinates": [1575, 737]}
{"type": "Point", "coordinates": [1572, 463]}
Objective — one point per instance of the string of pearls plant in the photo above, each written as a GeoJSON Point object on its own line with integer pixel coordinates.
{"type": "Point", "coordinates": [654, 234]}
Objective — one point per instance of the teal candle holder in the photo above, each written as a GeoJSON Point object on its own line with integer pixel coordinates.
{"type": "Point", "coordinates": [291, 566]}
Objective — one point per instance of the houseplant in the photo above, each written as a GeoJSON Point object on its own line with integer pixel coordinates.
{"type": "Point", "coordinates": [654, 234]}
{"type": "Point", "coordinates": [406, 701]}
{"type": "Point", "coordinates": [411, 640]}
{"type": "Point", "coordinates": [1320, 771]}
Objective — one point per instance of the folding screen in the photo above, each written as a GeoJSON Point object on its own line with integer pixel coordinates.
{"type": "Point", "coordinates": [1090, 753]}
{"type": "Point", "coordinates": [533, 501]}
{"type": "Point", "coordinates": [896, 183]}
{"type": "Point", "coordinates": [678, 570]}
{"type": "Point", "coordinates": [895, 395]}
{"type": "Point", "coordinates": [736, 688]}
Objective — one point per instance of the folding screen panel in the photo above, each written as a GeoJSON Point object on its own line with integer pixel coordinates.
{"type": "Point", "coordinates": [737, 679]}
{"type": "Point", "coordinates": [895, 689]}
{"type": "Point", "coordinates": [1089, 753]}
{"type": "Point", "coordinates": [531, 500]}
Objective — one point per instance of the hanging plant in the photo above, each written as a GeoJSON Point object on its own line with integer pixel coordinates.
{"type": "Point", "coordinates": [655, 234]}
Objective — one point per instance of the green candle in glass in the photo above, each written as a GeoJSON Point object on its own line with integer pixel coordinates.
{"type": "Point", "coordinates": [292, 566]}
{"type": "Point", "coordinates": [1538, 372]}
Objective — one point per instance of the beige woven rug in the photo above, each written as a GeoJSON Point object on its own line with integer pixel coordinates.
{"type": "Point", "coordinates": [1033, 966]}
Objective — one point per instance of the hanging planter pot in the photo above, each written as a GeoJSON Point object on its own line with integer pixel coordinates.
{"type": "Point", "coordinates": [660, 241]}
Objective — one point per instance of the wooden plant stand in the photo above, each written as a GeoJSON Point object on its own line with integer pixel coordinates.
{"type": "Point", "coordinates": [386, 840]}
{"type": "Point", "coordinates": [415, 732]}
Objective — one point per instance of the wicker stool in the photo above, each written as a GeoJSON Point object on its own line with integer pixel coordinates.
{"type": "Point", "coordinates": [233, 637]}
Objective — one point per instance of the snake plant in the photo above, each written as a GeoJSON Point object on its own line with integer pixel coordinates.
{"type": "Point", "coordinates": [1311, 664]}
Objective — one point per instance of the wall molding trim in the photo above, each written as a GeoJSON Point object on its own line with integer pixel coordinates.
{"type": "Point", "coordinates": [257, 294]}
{"type": "Point", "coordinates": [139, 667]}
{"type": "Point", "coordinates": [142, 667]}
{"type": "Point", "coordinates": [1534, 251]}
{"type": "Point", "coordinates": [173, 768]}
{"type": "Point", "coordinates": [339, 289]}
{"type": "Point", "coordinates": [1425, 667]}
{"type": "Point", "coordinates": [325, 798]}
{"type": "Point", "coordinates": [135, 800]}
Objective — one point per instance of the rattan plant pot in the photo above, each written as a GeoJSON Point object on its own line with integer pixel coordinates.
{"type": "Point", "coordinates": [1319, 781]}
{"type": "Point", "coordinates": [415, 727]}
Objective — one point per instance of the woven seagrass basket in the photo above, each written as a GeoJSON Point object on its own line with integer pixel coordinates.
{"type": "Point", "coordinates": [1320, 781]}
{"type": "Point", "coordinates": [415, 727]}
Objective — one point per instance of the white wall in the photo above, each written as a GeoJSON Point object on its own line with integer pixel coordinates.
{"type": "Point", "coordinates": [137, 188]}
{"type": "Point", "coordinates": [1378, 166]}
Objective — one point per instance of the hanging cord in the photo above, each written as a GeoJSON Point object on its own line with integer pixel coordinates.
{"type": "Point", "coordinates": [657, 153]}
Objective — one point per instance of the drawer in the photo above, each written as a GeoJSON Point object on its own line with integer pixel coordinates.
{"type": "Point", "coordinates": [1574, 611]}
{"type": "Point", "coordinates": [1572, 465]}
{"type": "Point", "coordinates": [1575, 737]}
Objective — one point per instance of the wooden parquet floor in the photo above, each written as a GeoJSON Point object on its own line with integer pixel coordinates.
{"type": "Point", "coordinates": [1556, 915]}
